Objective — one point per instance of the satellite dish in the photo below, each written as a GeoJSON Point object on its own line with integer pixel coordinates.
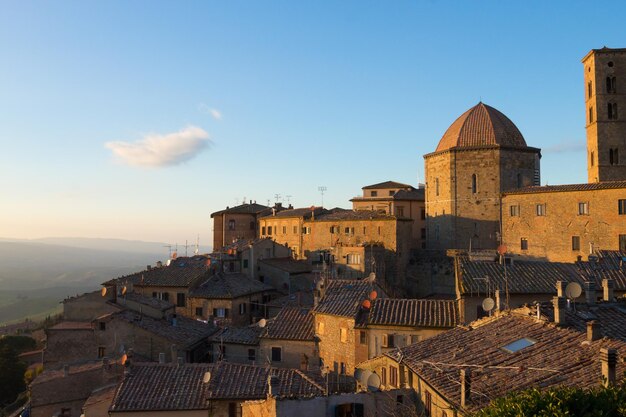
{"type": "Point", "coordinates": [573, 290]}
{"type": "Point", "coordinates": [488, 304]}
{"type": "Point", "coordinates": [124, 289]}
{"type": "Point", "coordinates": [373, 383]}
{"type": "Point", "coordinates": [168, 263]}
{"type": "Point", "coordinates": [362, 375]}
{"type": "Point", "coordinates": [103, 291]}
{"type": "Point", "coordinates": [502, 249]}
{"type": "Point", "coordinates": [373, 295]}
{"type": "Point", "coordinates": [207, 377]}
{"type": "Point", "coordinates": [262, 323]}
{"type": "Point", "coordinates": [366, 304]}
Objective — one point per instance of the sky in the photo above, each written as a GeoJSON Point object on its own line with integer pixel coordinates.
{"type": "Point", "coordinates": [138, 119]}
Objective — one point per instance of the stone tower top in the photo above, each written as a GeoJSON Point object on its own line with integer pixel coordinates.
{"type": "Point", "coordinates": [481, 125]}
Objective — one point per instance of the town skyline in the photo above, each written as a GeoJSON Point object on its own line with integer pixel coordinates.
{"type": "Point", "coordinates": [142, 128]}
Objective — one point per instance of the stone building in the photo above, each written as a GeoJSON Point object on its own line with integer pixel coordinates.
{"type": "Point", "coordinates": [236, 345]}
{"type": "Point", "coordinates": [605, 72]}
{"type": "Point", "coordinates": [230, 299]}
{"type": "Point", "coordinates": [481, 155]}
{"type": "Point", "coordinates": [236, 223]}
{"type": "Point", "coordinates": [564, 223]}
{"type": "Point", "coordinates": [400, 200]}
{"type": "Point", "coordinates": [287, 228]}
{"type": "Point", "coordinates": [244, 255]}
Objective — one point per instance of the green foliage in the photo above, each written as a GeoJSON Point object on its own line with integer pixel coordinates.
{"type": "Point", "coordinates": [19, 344]}
{"type": "Point", "coordinates": [11, 374]}
{"type": "Point", "coordinates": [560, 402]}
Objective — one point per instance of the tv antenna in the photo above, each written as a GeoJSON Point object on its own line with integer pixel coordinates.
{"type": "Point", "coordinates": [322, 189]}
{"type": "Point", "coordinates": [288, 197]}
{"type": "Point", "coordinates": [169, 248]}
{"type": "Point", "coordinates": [502, 251]}
{"type": "Point", "coordinates": [197, 251]}
{"type": "Point", "coordinates": [186, 246]}
{"type": "Point", "coordinates": [277, 197]}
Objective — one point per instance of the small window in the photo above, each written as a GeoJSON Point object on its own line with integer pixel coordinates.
{"type": "Point", "coordinates": [320, 328]}
{"type": "Point", "coordinates": [610, 85]}
{"type": "Point", "coordinates": [514, 211]}
{"type": "Point", "coordinates": [393, 376]}
{"type": "Point", "coordinates": [383, 375]}
{"type": "Point", "coordinates": [428, 404]}
{"type": "Point", "coordinates": [263, 230]}
{"type": "Point", "coordinates": [346, 231]}
{"type": "Point", "coordinates": [269, 230]}
{"type": "Point", "coordinates": [589, 90]}
{"type": "Point", "coordinates": [388, 340]}
{"type": "Point", "coordinates": [234, 410]}
{"type": "Point", "coordinates": [423, 214]}
{"type": "Point", "coordinates": [277, 354]}
{"type": "Point", "coordinates": [592, 158]}
{"type": "Point", "coordinates": [612, 111]}
{"type": "Point", "coordinates": [165, 296]}
{"type": "Point", "coordinates": [284, 230]}
{"type": "Point", "coordinates": [231, 225]}
{"type": "Point", "coordinates": [353, 259]}
{"type": "Point", "coordinates": [541, 209]}
{"type": "Point", "coordinates": [474, 184]}
{"type": "Point", "coordinates": [252, 355]}
{"type": "Point", "coordinates": [576, 243]}
{"type": "Point", "coordinates": [199, 312]}
{"type": "Point", "coordinates": [621, 206]}
{"type": "Point", "coordinates": [524, 244]}
{"type": "Point", "coordinates": [614, 156]}
{"type": "Point", "coordinates": [103, 326]}
{"type": "Point", "coordinates": [436, 186]}
{"type": "Point", "coordinates": [379, 230]}
{"type": "Point", "coordinates": [518, 345]}
{"type": "Point", "coordinates": [242, 309]}
{"type": "Point", "coordinates": [332, 230]}
{"type": "Point", "coordinates": [362, 337]}
{"type": "Point", "coordinates": [374, 194]}
{"type": "Point", "coordinates": [591, 114]}
{"type": "Point", "coordinates": [295, 230]}
{"type": "Point", "coordinates": [343, 335]}
{"type": "Point", "coordinates": [180, 299]}
{"type": "Point", "coordinates": [101, 352]}
{"type": "Point", "coordinates": [220, 312]}
{"type": "Point", "coordinates": [583, 209]}
{"type": "Point", "coordinates": [364, 230]}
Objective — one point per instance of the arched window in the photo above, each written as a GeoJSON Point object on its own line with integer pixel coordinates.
{"type": "Point", "coordinates": [612, 111]}
{"type": "Point", "coordinates": [610, 84]}
{"type": "Point", "coordinates": [474, 184]}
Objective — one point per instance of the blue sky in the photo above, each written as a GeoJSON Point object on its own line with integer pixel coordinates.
{"type": "Point", "coordinates": [266, 98]}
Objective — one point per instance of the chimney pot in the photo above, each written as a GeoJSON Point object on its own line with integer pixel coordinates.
{"type": "Point", "coordinates": [608, 285]}
{"type": "Point", "coordinates": [590, 292]}
{"type": "Point", "coordinates": [466, 382]}
{"type": "Point", "coordinates": [593, 330]}
{"type": "Point", "coordinates": [559, 304]}
{"type": "Point", "coordinates": [560, 288]}
{"type": "Point", "coordinates": [608, 358]}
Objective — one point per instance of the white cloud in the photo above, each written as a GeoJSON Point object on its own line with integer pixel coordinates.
{"type": "Point", "coordinates": [566, 147]}
{"type": "Point", "coordinates": [214, 113]}
{"type": "Point", "coordinates": [156, 150]}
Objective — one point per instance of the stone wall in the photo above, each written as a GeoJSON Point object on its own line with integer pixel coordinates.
{"type": "Point", "coordinates": [292, 351]}
{"type": "Point", "coordinates": [332, 350]}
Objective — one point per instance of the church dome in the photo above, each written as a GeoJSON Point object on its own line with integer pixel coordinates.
{"type": "Point", "coordinates": [481, 125]}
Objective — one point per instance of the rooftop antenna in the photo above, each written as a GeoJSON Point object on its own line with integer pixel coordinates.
{"type": "Point", "coordinates": [322, 189]}
{"type": "Point", "coordinates": [268, 202]}
{"type": "Point", "coordinates": [288, 197]}
{"type": "Point", "coordinates": [502, 252]}
{"type": "Point", "coordinates": [169, 248]}
{"type": "Point", "coordinates": [186, 246]}
{"type": "Point", "coordinates": [197, 245]}
{"type": "Point", "coordinates": [277, 197]}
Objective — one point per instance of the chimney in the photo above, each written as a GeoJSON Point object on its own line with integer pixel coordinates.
{"type": "Point", "coordinates": [608, 358]}
{"type": "Point", "coordinates": [66, 370]}
{"type": "Point", "coordinates": [559, 304]}
{"type": "Point", "coordinates": [499, 300]}
{"type": "Point", "coordinates": [608, 285]}
{"type": "Point", "coordinates": [466, 383]}
{"type": "Point", "coordinates": [590, 292]}
{"type": "Point", "coordinates": [161, 357]}
{"type": "Point", "coordinates": [159, 264]}
{"type": "Point", "coordinates": [593, 331]}
{"type": "Point", "coordinates": [273, 383]}
{"type": "Point", "coordinates": [560, 288]}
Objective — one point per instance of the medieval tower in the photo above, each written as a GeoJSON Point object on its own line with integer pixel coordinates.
{"type": "Point", "coordinates": [605, 97]}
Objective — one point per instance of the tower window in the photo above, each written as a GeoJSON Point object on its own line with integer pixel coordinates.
{"type": "Point", "coordinates": [541, 209]}
{"type": "Point", "coordinates": [589, 90]}
{"type": "Point", "coordinates": [524, 243]}
{"type": "Point", "coordinates": [583, 208]}
{"type": "Point", "coordinates": [474, 184]}
{"type": "Point", "coordinates": [613, 156]}
{"type": "Point", "coordinates": [612, 111]}
{"type": "Point", "coordinates": [436, 186]}
{"type": "Point", "coordinates": [575, 243]}
{"type": "Point", "coordinates": [592, 157]}
{"type": "Point", "coordinates": [610, 85]}
{"type": "Point", "coordinates": [591, 114]}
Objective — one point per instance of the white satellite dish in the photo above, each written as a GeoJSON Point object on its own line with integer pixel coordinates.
{"type": "Point", "coordinates": [488, 304]}
{"type": "Point", "coordinates": [573, 290]}
{"type": "Point", "coordinates": [168, 263]}
{"type": "Point", "coordinates": [362, 375]}
{"type": "Point", "coordinates": [262, 323]}
{"type": "Point", "coordinates": [373, 383]}
{"type": "Point", "coordinates": [207, 377]}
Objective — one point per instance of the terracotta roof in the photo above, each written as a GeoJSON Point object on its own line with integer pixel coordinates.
{"type": "Point", "coordinates": [164, 387]}
{"type": "Point", "coordinates": [417, 194]}
{"type": "Point", "coordinates": [288, 265]}
{"type": "Point", "coordinates": [532, 277]}
{"type": "Point", "coordinates": [340, 215]}
{"type": "Point", "coordinates": [344, 297]}
{"type": "Point", "coordinates": [387, 184]}
{"type": "Point", "coordinates": [304, 212]}
{"type": "Point", "coordinates": [238, 335]}
{"type": "Point", "coordinates": [414, 312]}
{"type": "Point", "coordinates": [605, 185]}
{"type": "Point", "coordinates": [182, 272]}
{"type": "Point", "coordinates": [155, 303]}
{"type": "Point", "coordinates": [298, 299]}
{"type": "Point", "coordinates": [481, 125]}
{"type": "Point", "coordinates": [291, 323]}
{"type": "Point", "coordinates": [557, 357]}
{"type": "Point", "coordinates": [186, 332]}
{"type": "Point", "coordinates": [228, 286]}
{"type": "Point", "coordinates": [253, 208]}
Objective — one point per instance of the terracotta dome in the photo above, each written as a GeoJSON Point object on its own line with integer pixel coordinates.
{"type": "Point", "coordinates": [481, 125]}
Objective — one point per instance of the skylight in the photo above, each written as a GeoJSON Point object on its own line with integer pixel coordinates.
{"type": "Point", "coordinates": [518, 345]}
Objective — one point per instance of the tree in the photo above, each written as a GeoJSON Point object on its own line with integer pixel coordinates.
{"type": "Point", "coordinates": [11, 375]}
{"type": "Point", "coordinates": [599, 401]}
